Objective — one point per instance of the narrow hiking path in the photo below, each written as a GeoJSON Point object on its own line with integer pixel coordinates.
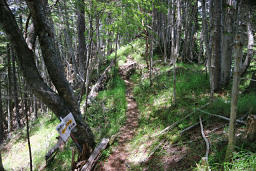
{"type": "Point", "coordinates": [118, 158]}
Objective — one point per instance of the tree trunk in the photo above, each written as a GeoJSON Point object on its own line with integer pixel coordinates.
{"type": "Point", "coordinates": [9, 92]}
{"type": "Point", "coordinates": [172, 32]}
{"type": "Point", "coordinates": [15, 91]}
{"type": "Point", "coordinates": [1, 126]}
{"type": "Point", "coordinates": [250, 51]}
{"type": "Point", "coordinates": [60, 103]}
{"type": "Point", "coordinates": [89, 56]}
{"type": "Point", "coordinates": [98, 56]}
{"type": "Point", "coordinates": [216, 50]}
{"type": "Point", "coordinates": [227, 46]}
{"type": "Point", "coordinates": [207, 43]}
{"type": "Point", "coordinates": [177, 49]}
{"type": "Point", "coordinates": [238, 54]}
{"type": "Point", "coordinates": [27, 129]}
{"type": "Point", "coordinates": [151, 46]}
{"type": "Point", "coordinates": [81, 51]}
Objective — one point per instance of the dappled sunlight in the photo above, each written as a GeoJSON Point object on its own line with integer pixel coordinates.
{"type": "Point", "coordinates": [141, 153]}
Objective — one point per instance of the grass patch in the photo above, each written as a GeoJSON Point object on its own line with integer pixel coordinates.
{"type": "Point", "coordinates": [134, 49]}
{"type": "Point", "coordinates": [42, 137]}
{"type": "Point", "coordinates": [107, 114]}
{"type": "Point", "coordinates": [242, 160]}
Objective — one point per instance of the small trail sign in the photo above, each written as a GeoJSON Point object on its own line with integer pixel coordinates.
{"type": "Point", "coordinates": [65, 127]}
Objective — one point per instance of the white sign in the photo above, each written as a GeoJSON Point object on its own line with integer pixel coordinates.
{"type": "Point", "coordinates": [65, 127]}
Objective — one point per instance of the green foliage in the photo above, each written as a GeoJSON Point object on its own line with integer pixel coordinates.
{"type": "Point", "coordinates": [247, 103]}
{"type": "Point", "coordinates": [62, 160]}
{"type": "Point", "coordinates": [242, 160]}
{"type": "Point", "coordinates": [107, 114]}
{"type": "Point", "coordinates": [191, 83]}
{"type": "Point", "coordinates": [221, 105]}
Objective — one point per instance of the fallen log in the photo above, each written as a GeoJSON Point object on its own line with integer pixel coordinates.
{"type": "Point", "coordinates": [96, 87]}
{"type": "Point", "coordinates": [128, 69]}
{"type": "Point", "coordinates": [95, 155]}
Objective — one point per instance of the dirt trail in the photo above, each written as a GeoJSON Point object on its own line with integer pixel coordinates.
{"type": "Point", "coordinates": [118, 158]}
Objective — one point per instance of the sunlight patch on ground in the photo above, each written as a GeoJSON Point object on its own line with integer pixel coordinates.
{"type": "Point", "coordinates": [141, 152]}
{"type": "Point", "coordinates": [16, 155]}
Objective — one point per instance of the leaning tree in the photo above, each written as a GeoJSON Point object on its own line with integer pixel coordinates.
{"type": "Point", "coordinates": [62, 101]}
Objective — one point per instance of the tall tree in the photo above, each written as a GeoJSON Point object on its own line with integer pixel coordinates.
{"type": "Point", "coordinates": [15, 90]}
{"type": "Point", "coordinates": [238, 54]}
{"type": "Point", "coordinates": [227, 41]}
{"type": "Point", "coordinates": [1, 126]}
{"type": "Point", "coordinates": [216, 50]}
{"type": "Point", "coordinates": [81, 51]}
{"type": "Point", "coordinates": [9, 91]}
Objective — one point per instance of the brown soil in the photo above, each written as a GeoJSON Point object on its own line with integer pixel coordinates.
{"type": "Point", "coordinates": [118, 158]}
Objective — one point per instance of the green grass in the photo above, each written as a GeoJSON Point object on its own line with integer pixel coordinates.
{"type": "Point", "coordinates": [107, 114]}
{"type": "Point", "coordinates": [242, 160]}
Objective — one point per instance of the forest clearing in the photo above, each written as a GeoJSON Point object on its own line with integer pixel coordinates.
{"type": "Point", "coordinates": [127, 85]}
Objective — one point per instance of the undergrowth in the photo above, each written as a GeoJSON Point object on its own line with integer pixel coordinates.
{"type": "Point", "coordinates": [42, 138]}
{"type": "Point", "coordinates": [157, 112]}
{"type": "Point", "coordinates": [107, 113]}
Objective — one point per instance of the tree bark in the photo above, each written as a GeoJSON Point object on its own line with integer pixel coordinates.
{"type": "Point", "coordinates": [81, 51]}
{"type": "Point", "coordinates": [60, 103]}
{"type": "Point", "coordinates": [216, 51]}
{"type": "Point", "coordinates": [238, 54]}
{"type": "Point", "coordinates": [227, 46]}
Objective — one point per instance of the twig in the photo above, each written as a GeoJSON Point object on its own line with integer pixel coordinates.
{"type": "Point", "coordinates": [219, 116]}
{"type": "Point", "coordinates": [205, 139]}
